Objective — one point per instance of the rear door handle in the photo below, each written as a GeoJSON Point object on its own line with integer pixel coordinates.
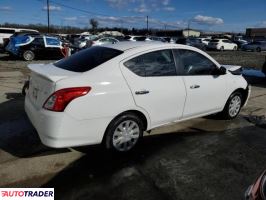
{"type": "Point", "coordinates": [194, 86]}
{"type": "Point", "coordinates": [142, 92]}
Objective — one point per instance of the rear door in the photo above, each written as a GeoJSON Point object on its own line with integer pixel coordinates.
{"type": "Point", "coordinates": [155, 86]}
{"type": "Point", "coordinates": [52, 47]}
{"type": "Point", "coordinates": [205, 92]}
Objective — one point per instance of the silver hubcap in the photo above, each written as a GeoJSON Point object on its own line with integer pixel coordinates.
{"type": "Point", "coordinates": [126, 135]}
{"type": "Point", "coordinates": [234, 106]}
{"type": "Point", "coordinates": [28, 55]}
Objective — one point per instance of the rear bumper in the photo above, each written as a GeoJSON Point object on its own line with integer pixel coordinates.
{"type": "Point", "coordinates": [58, 129]}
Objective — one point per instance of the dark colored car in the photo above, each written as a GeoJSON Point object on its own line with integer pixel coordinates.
{"type": "Point", "coordinates": [255, 46]}
{"type": "Point", "coordinates": [195, 42]}
{"type": "Point", "coordinates": [30, 47]}
{"type": "Point", "coordinates": [240, 43]}
{"type": "Point", "coordinates": [257, 191]}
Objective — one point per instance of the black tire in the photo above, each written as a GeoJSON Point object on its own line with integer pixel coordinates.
{"type": "Point", "coordinates": [227, 113]}
{"type": "Point", "coordinates": [28, 55]}
{"type": "Point", "coordinates": [222, 48]}
{"type": "Point", "coordinates": [258, 49]}
{"type": "Point", "coordinates": [235, 48]}
{"type": "Point", "coordinates": [111, 133]}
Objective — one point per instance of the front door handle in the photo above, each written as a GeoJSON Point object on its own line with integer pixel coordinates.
{"type": "Point", "coordinates": [194, 86]}
{"type": "Point", "coordinates": [142, 92]}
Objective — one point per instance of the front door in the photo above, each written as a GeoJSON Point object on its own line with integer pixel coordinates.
{"type": "Point", "coordinates": [155, 86]}
{"type": "Point", "coordinates": [205, 92]}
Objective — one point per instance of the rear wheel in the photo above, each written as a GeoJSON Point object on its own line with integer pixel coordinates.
{"type": "Point", "coordinates": [222, 48]}
{"type": "Point", "coordinates": [258, 49]}
{"type": "Point", "coordinates": [235, 48]}
{"type": "Point", "coordinates": [233, 106]}
{"type": "Point", "coordinates": [28, 55]}
{"type": "Point", "coordinates": [124, 133]}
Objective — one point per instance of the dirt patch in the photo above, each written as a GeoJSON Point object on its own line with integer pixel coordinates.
{"type": "Point", "coordinates": [242, 58]}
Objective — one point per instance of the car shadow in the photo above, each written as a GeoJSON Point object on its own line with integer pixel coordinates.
{"type": "Point", "coordinates": [18, 136]}
{"type": "Point", "coordinates": [98, 166]}
{"type": "Point", "coordinates": [144, 172]}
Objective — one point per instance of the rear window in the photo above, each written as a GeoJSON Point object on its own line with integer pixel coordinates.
{"type": "Point", "coordinates": [214, 40]}
{"type": "Point", "coordinates": [87, 59]}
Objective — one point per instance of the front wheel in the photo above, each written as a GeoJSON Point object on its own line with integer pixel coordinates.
{"type": "Point", "coordinates": [232, 106]}
{"type": "Point", "coordinates": [124, 133]}
{"type": "Point", "coordinates": [222, 48]}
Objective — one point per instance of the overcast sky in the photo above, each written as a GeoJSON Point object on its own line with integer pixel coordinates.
{"type": "Point", "coordinates": [210, 15]}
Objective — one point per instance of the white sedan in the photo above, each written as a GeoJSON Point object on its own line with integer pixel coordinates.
{"type": "Point", "coordinates": [222, 44]}
{"type": "Point", "coordinates": [111, 94]}
{"type": "Point", "coordinates": [105, 40]}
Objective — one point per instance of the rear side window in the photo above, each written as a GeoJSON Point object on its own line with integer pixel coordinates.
{"type": "Point", "coordinates": [38, 42]}
{"type": "Point", "coordinates": [52, 41]}
{"type": "Point", "coordinates": [10, 31]}
{"type": "Point", "coordinates": [87, 59]}
{"type": "Point", "coordinates": [157, 63]}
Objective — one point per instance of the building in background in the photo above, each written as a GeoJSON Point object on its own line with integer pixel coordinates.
{"type": "Point", "coordinates": [190, 33]}
{"type": "Point", "coordinates": [256, 33]}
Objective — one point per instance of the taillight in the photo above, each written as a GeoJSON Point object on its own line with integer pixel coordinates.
{"type": "Point", "coordinates": [60, 99]}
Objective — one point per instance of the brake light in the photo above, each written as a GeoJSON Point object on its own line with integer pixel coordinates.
{"type": "Point", "coordinates": [60, 99]}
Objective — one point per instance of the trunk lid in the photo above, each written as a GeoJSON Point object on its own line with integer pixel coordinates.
{"type": "Point", "coordinates": [43, 80]}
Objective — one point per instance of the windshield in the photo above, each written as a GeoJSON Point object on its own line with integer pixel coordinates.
{"type": "Point", "coordinates": [87, 59]}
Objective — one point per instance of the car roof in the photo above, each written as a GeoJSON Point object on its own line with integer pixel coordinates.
{"type": "Point", "coordinates": [124, 46]}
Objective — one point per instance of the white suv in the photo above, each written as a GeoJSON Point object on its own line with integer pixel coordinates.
{"type": "Point", "coordinates": [111, 94]}
{"type": "Point", "coordinates": [222, 44]}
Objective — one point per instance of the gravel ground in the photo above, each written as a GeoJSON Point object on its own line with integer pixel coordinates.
{"type": "Point", "coordinates": [242, 58]}
{"type": "Point", "coordinates": [203, 158]}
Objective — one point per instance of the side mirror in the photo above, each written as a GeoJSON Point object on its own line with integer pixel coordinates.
{"type": "Point", "coordinates": [219, 71]}
{"type": "Point", "coordinates": [222, 70]}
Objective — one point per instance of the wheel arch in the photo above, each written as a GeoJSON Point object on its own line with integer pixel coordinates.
{"type": "Point", "coordinates": [138, 113]}
{"type": "Point", "coordinates": [244, 93]}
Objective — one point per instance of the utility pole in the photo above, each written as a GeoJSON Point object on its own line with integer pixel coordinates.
{"type": "Point", "coordinates": [188, 27]}
{"type": "Point", "coordinates": [48, 16]}
{"type": "Point", "coordinates": [147, 24]}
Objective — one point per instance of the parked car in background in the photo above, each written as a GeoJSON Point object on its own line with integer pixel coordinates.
{"type": "Point", "coordinates": [104, 40]}
{"type": "Point", "coordinates": [137, 86]}
{"type": "Point", "coordinates": [135, 38]}
{"type": "Point", "coordinates": [195, 42]}
{"type": "Point", "coordinates": [257, 191]}
{"type": "Point", "coordinates": [240, 43]}
{"type": "Point", "coordinates": [6, 33]}
{"type": "Point", "coordinates": [205, 40]}
{"type": "Point", "coordinates": [198, 43]}
{"type": "Point", "coordinates": [222, 44]}
{"type": "Point", "coordinates": [154, 38]}
{"type": "Point", "coordinates": [255, 46]}
{"type": "Point", "coordinates": [31, 47]}
{"type": "Point", "coordinates": [170, 40]}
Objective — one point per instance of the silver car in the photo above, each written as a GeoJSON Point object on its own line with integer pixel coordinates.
{"type": "Point", "coordinates": [255, 46]}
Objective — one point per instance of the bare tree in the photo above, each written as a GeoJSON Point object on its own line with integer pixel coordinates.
{"type": "Point", "coordinates": [94, 24]}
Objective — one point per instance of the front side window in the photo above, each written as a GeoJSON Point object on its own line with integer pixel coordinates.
{"type": "Point", "coordinates": [157, 63]}
{"type": "Point", "coordinates": [195, 63]}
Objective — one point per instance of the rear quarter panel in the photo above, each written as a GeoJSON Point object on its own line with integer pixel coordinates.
{"type": "Point", "coordinates": [109, 95]}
